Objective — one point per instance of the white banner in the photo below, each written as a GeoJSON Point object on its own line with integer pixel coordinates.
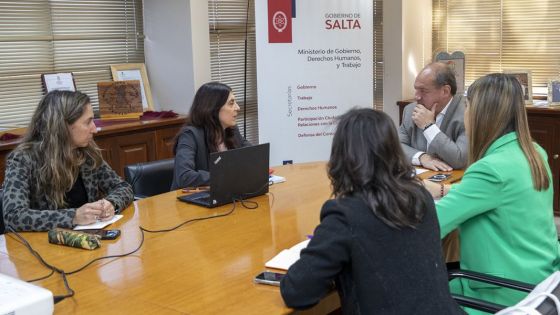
{"type": "Point", "coordinates": [314, 62]}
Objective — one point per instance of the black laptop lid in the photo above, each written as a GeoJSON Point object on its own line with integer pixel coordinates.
{"type": "Point", "coordinates": [239, 173]}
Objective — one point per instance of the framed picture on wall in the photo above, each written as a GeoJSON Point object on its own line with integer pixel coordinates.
{"type": "Point", "coordinates": [456, 61]}
{"type": "Point", "coordinates": [554, 92]}
{"type": "Point", "coordinates": [58, 81]}
{"type": "Point", "coordinates": [135, 71]}
{"type": "Point", "coordinates": [524, 77]}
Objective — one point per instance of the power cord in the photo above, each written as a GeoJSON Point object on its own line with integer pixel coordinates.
{"type": "Point", "coordinates": [192, 220]}
{"type": "Point", "coordinates": [63, 274]}
{"type": "Point", "coordinates": [56, 298]}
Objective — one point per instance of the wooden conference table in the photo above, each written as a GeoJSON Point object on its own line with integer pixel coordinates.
{"type": "Point", "coordinates": [205, 267]}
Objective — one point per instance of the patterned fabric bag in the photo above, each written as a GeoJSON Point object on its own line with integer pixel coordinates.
{"type": "Point", "coordinates": [74, 238]}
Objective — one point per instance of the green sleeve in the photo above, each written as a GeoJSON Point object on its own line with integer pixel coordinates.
{"type": "Point", "coordinates": [477, 193]}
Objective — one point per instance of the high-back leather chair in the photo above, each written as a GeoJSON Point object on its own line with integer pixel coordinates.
{"type": "Point", "coordinates": [150, 178]}
{"type": "Point", "coordinates": [2, 226]}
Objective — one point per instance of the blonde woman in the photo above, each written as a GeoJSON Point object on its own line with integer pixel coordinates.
{"type": "Point", "coordinates": [503, 205]}
{"type": "Point", "coordinates": [56, 177]}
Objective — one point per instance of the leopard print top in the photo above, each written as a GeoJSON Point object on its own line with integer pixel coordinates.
{"type": "Point", "coordinates": [25, 210]}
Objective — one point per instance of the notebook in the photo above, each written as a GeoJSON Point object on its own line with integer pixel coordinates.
{"type": "Point", "coordinates": [234, 174]}
{"type": "Point", "coordinates": [287, 257]}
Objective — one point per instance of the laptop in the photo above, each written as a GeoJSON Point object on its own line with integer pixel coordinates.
{"type": "Point", "coordinates": [234, 174]}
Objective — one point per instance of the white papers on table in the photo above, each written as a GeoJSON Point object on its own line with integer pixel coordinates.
{"type": "Point", "coordinates": [420, 170]}
{"type": "Point", "coordinates": [99, 224]}
{"type": "Point", "coordinates": [275, 179]}
{"type": "Point", "coordinates": [286, 257]}
{"type": "Point", "coordinates": [540, 103]}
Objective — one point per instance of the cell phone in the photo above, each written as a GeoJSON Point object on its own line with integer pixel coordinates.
{"type": "Point", "coordinates": [439, 177]}
{"type": "Point", "coordinates": [270, 278]}
{"type": "Point", "coordinates": [105, 234]}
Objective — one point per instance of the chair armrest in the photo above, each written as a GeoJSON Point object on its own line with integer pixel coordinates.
{"type": "Point", "coordinates": [482, 305]}
{"type": "Point", "coordinates": [478, 304]}
{"type": "Point", "coordinates": [506, 283]}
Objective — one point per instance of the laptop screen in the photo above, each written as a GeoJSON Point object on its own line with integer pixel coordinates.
{"type": "Point", "coordinates": [235, 174]}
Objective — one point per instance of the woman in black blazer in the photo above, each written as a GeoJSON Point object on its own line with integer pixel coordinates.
{"type": "Point", "coordinates": [210, 127]}
{"type": "Point", "coordinates": [378, 241]}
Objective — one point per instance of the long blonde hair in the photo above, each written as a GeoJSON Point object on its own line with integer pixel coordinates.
{"type": "Point", "coordinates": [496, 108]}
{"type": "Point", "coordinates": [49, 144]}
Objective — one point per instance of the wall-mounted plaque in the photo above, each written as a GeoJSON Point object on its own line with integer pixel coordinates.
{"type": "Point", "coordinates": [120, 99]}
{"type": "Point", "coordinates": [525, 78]}
{"type": "Point", "coordinates": [135, 71]}
{"type": "Point", "coordinates": [456, 61]}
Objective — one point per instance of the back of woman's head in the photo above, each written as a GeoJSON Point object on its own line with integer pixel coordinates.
{"type": "Point", "coordinates": [496, 107]}
{"type": "Point", "coordinates": [367, 161]}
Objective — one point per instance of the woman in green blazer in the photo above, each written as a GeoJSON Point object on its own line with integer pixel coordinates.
{"type": "Point", "coordinates": [503, 205]}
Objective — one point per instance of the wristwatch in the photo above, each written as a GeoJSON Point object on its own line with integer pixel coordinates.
{"type": "Point", "coordinates": [428, 125]}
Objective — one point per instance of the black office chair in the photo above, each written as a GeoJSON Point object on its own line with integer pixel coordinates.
{"type": "Point", "coordinates": [150, 178]}
{"type": "Point", "coordinates": [546, 307]}
{"type": "Point", "coordinates": [2, 226]}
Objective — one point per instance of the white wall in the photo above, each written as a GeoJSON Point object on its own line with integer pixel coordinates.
{"type": "Point", "coordinates": [407, 45]}
{"type": "Point", "coordinates": [178, 54]}
{"type": "Point", "coordinates": [177, 51]}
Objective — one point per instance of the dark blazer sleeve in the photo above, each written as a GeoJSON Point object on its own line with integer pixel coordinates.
{"type": "Point", "coordinates": [312, 276]}
{"type": "Point", "coordinates": [186, 173]}
{"type": "Point", "coordinates": [239, 139]}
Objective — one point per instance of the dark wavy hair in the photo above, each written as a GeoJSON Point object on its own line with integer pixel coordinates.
{"type": "Point", "coordinates": [367, 161]}
{"type": "Point", "coordinates": [204, 113]}
{"type": "Point", "coordinates": [48, 142]}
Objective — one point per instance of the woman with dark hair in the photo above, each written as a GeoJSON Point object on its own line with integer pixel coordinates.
{"type": "Point", "coordinates": [57, 177]}
{"type": "Point", "coordinates": [210, 127]}
{"type": "Point", "coordinates": [378, 240]}
{"type": "Point", "coordinates": [503, 205]}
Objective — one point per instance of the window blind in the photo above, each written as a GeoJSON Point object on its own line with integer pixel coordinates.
{"type": "Point", "coordinates": [227, 43]}
{"type": "Point", "coordinates": [82, 37]}
{"type": "Point", "coordinates": [378, 54]}
{"type": "Point", "coordinates": [498, 35]}
{"type": "Point", "coordinates": [227, 22]}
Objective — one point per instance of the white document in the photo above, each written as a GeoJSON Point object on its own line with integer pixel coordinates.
{"type": "Point", "coordinates": [287, 257]}
{"type": "Point", "coordinates": [420, 170]}
{"type": "Point", "coordinates": [135, 74]}
{"type": "Point", "coordinates": [275, 179]}
{"type": "Point", "coordinates": [59, 81]}
{"type": "Point", "coordinates": [99, 224]}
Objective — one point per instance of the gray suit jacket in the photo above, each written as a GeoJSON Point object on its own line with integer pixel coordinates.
{"type": "Point", "coordinates": [450, 145]}
{"type": "Point", "coordinates": [191, 157]}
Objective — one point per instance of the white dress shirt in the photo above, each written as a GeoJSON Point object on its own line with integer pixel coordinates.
{"type": "Point", "coordinates": [431, 133]}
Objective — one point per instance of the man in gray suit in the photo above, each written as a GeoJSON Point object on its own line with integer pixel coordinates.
{"type": "Point", "coordinates": [432, 132]}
